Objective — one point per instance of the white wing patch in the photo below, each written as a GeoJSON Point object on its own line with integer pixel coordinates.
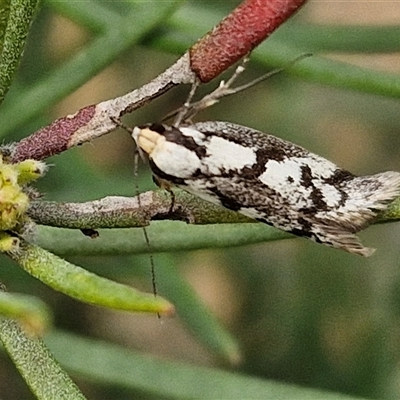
{"type": "Point", "coordinates": [193, 133]}
{"type": "Point", "coordinates": [282, 176]}
{"type": "Point", "coordinates": [227, 156]}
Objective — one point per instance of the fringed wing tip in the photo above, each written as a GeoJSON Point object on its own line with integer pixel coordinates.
{"type": "Point", "coordinates": [340, 238]}
{"type": "Point", "coordinates": [352, 244]}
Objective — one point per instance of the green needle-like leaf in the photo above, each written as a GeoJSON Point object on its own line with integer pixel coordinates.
{"type": "Point", "coordinates": [164, 236]}
{"type": "Point", "coordinates": [111, 364]}
{"type": "Point", "coordinates": [16, 17]}
{"type": "Point", "coordinates": [83, 285]}
{"type": "Point", "coordinates": [36, 364]}
{"type": "Point", "coordinates": [33, 314]}
{"type": "Point", "coordinates": [193, 312]}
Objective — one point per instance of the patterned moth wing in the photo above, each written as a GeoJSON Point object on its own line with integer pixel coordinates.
{"type": "Point", "coordinates": [268, 179]}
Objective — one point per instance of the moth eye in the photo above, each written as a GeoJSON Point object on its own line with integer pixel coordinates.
{"type": "Point", "coordinates": [159, 128]}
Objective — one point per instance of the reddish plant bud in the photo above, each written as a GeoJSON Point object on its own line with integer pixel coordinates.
{"type": "Point", "coordinates": [54, 138]}
{"type": "Point", "coordinates": [237, 34]}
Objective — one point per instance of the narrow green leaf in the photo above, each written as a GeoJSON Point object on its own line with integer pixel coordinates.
{"type": "Point", "coordinates": [91, 14]}
{"type": "Point", "coordinates": [4, 14]}
{"type": "Point", "coordinates": [164, 236]}
{"type": "Point", "coordinates": [19, 14]}
{"type": "Point", "coordinates": [110, 364]}
{"type": "Point", "coordinates": [193, 312]}
{"type": "Point", "coordinates": [83, 285]}
{"type": "Point", "coordinates": [36, 364]}
{"type": "Point", "coordinates": [330, 72]}
{"type": "Point", "coordinates": [32, 313]}
{"type": "Point", "coordinates": [341, 38]}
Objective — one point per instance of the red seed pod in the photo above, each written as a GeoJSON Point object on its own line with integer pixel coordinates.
{"type": "Point", "coordinates": [55, 136]}
{"type": "Point", "coordinates": [237, 34]}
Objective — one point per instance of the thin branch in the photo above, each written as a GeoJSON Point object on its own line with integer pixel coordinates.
{"type": "Point", "coordinates": [231, 40]}
{"type": "Point", "coordinates": [96, 120]}
{"type": "Point", "coordinates": [126, 212]}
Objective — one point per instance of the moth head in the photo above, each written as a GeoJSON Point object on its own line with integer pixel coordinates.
{"type": "Point", "coordinates": [172, 152]}
{"type": "Point", "coordinates": [148, 137]}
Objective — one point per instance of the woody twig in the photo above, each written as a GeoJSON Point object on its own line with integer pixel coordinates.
{"type": "Point", "coordinates": [234, 37]}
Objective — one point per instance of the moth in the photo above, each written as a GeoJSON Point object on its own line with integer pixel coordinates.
{"type": "Point", "coordinates": [268, 179]}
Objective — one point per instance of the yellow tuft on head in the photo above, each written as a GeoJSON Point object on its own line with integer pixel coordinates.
{"type": "Point", "coordinates": [147, 140]}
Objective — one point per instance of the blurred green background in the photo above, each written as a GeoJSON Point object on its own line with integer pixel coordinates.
{"type": "Point", "coordinates": [302, 313]}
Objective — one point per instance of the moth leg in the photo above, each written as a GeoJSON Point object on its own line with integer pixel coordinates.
{"type": "Point", "coordinates": [189, 109]}
{"type": "Point", "coordinates": [182, 114]}
{"type": "Point", "coordinates": [161, 183]}
{"type": "Point", "coordinates": [224, 89]}
{"type": "Point", "coordinates": [172, 194]}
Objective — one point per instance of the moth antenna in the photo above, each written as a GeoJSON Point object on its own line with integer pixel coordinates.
{"type": "Point", "coordinates": [127, 128]}
{"type": "Point", "coordinates": [119, 123]}
{"type": "Point", "coordinates": [138, 153]}
{"type": "Point", "coordinates": [267, 75]}
{"type": "Point", "coordinates": [145, 234]}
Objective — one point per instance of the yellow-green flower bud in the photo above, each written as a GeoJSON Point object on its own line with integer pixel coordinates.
{"type": "Point", "coordinates": [30, 170]}
{"type": "Point", "coordinates": [13, 200]}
